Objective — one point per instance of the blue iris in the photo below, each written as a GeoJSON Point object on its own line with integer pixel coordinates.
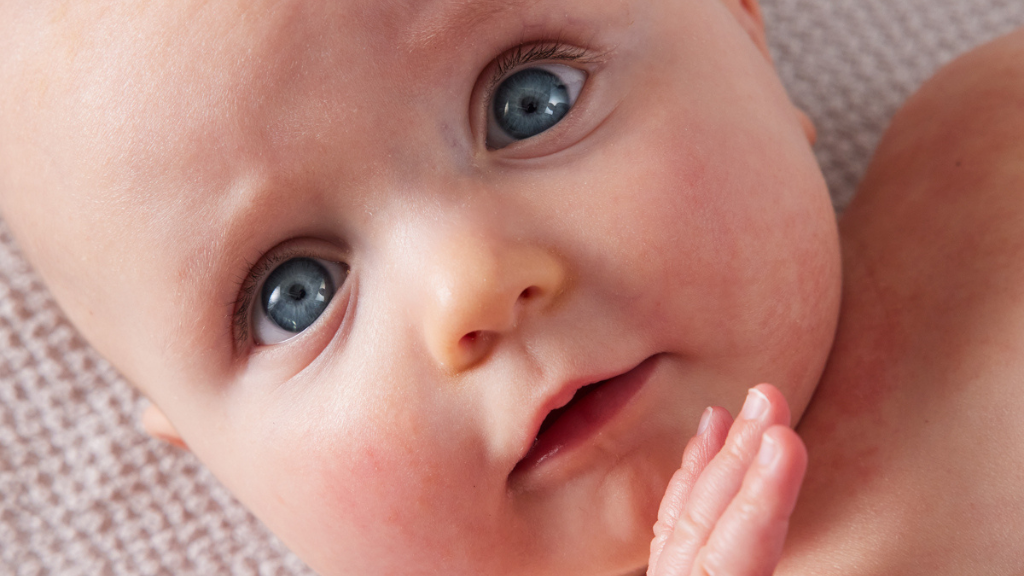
{"type": "Point", "coordinates": [529, 102]}
{"type": "Point", "coordinates": [296, 293]}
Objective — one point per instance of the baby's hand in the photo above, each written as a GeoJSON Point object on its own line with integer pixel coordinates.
{"type": "Point", "coordinates": [726, 510]}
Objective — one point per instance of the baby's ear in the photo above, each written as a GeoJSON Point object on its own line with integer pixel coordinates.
{"type": "Point", "coordinates": [807, 124]}
{"type": "Point", "coordinates": [748, 13]}
{"type": "Point", "coordinates": [156, 424]}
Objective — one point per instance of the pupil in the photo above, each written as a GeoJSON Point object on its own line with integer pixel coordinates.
{"type": "Point", "coordinates": [529, 102]}
{"type": "Point", "coordinates": [296, 293]}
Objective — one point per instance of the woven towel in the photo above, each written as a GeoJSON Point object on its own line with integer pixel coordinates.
{"type": "Point", "coordinates": [84, 492]}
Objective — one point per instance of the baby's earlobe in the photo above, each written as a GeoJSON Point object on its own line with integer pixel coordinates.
{"type": "Point", "coordinates": [156, 424]}
{"type": "Point", "coordinates": [807, 124]}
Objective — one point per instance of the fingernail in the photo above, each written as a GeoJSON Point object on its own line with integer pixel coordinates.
{"type": "Point", "coordinates": [755, 405]}
{"type": "Point", "coordinates": [705, 419]}
{"type": "Point", "coordinates": [768, 451]}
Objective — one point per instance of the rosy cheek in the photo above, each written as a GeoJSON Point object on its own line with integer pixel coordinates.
{"type": "Point", "coordinates": [367, 501]}
{"type": "Point", "coordinates": [338, 504]}
{"type": "Point", "coordinates": [363, 484]}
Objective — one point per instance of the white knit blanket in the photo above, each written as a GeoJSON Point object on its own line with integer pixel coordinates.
{"type": "Point", "coordinates": [84, 491]}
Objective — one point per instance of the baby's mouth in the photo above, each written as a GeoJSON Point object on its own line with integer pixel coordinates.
{"type": "Point", "coordinates": [555, 414]}
{"type": "Point", "coordinates": [586, 413]}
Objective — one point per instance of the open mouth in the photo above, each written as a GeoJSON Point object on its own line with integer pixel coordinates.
{"type": "Point", "coordinates": [592, 406]}
{"type": "Point", "coordinates": [555, 414]}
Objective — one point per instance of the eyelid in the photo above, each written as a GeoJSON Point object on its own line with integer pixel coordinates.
{"type": "Point", "coordinates": [523, 56]}
{"type": "Point", "coordinates": [519, 57]}
{"type": "Point", "coordinates": [256, 274]}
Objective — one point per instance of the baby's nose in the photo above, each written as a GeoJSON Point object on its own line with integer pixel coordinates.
{"type": "Point", "coordinates": [479, 290]}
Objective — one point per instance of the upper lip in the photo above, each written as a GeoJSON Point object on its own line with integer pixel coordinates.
{"type": "Point", "coordinates": [561, 396]}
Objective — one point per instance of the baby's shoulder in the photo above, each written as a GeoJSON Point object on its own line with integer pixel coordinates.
{"type": "Point", "coordinates": [973, 108]}
{"type": "Point", "coordinates": [913, 430]}
{"type": "Point", "coordinates": [943, 199]}
{"type": "Point", "coordinates": [961, 131]}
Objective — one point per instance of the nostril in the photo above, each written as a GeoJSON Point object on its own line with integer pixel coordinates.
{"type": "Point", "coordinates": [470, 339]}
{"type": "Point", "coordinates": [474, 346]}
{"type": "Point", "coordinates": [529, 293]}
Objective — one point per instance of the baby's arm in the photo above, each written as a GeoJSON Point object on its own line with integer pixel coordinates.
{"type": "Point", "coordinates": [726, 511]}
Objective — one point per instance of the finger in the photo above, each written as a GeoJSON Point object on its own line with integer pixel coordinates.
{"type": "Point", "coordinates": [748, 538]}
{"type": "Point", "coordinates": [710, 438]}
{"type": "Point", "coordinates": [721, 479]}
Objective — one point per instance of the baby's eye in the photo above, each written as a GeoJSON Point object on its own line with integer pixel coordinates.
{"type": "Point", "coordinates": [293, 296]}
{"type": "Point", "coordinates": [530, 101]}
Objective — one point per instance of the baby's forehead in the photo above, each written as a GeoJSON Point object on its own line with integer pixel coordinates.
{"type": "Point", "coordinates": [200, 74]}
{"type": "Point", "coordinates": [145, 95]}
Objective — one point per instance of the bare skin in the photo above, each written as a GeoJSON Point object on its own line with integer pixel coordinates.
{"type": "Point", "coordinates": [674, 230]}
{"type": "Point", "coordinates": [914, 434]}
{"type": "Point", "coordinates": [914, 439]}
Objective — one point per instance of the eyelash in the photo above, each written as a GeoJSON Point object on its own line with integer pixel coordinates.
{"type": "Point", "coordinates": [523, 55]}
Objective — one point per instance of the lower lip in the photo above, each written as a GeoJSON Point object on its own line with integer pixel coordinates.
{"type": "Point", "coordinates": [587, 416]}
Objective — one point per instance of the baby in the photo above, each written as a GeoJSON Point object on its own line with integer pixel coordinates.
{"type": "Point", "coordinates": [445, 287]}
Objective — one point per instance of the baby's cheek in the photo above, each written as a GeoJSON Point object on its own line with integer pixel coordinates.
{"type": "Point", "coordinates": [335, 504]}
{"type": "Point", "coordinates": [386, 499]}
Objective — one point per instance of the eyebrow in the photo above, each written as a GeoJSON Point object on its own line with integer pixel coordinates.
{"type": "Point", "coordinates": [443, 18]}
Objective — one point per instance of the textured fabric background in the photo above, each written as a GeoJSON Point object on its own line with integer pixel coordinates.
{"type": "Point", "coordinates": [84, 492]}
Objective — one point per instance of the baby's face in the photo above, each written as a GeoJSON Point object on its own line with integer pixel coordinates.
{"type": "Point", "coordinates": [357, 252]}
